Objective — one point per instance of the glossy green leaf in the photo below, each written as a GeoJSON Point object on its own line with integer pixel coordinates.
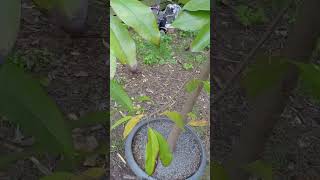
{"type": "Point", "coordinates": [175, 117]}
{"type": "Point", "coordinates": [138, 16]}
{"type": "Point", "coordinates": [266, 73]}
{"type": "Point", "coordinates": [260, 169]}
{"type": "Point", "coordinates": [122, 45]}
{"type": "Point", "coordinates": [113, 65]}
{"type": "Point", "coordinates": [164, 150]}
{"type": "Point", "coordinates": [191, 21]}
{"type": "Point", "coordinates": [218, 172]}
{"type": "Point", "coordinates": [152, 150]}
{"type": "Point", "coordinates": [197, 5]}
{"type": "Point", "coordinates": [120, 121]}
{"type": "Point", "coordinates": [59, 175]}
{"type": "Point", "coordinates": [24, 102]}
{"type": "Point", "coordinates": [192, 85]}
{"type": "Point", "coordinates": [202, 40]}
{"type": "Point", "coordinates": [10, 11]}
{"type": "Point", "coordinates": [118, 94]}
{"type": "Point", "coordinates": [309, 77]}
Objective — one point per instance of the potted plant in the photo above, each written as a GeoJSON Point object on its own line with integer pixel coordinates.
{"type": "Point", "coordinates": [180, 152]}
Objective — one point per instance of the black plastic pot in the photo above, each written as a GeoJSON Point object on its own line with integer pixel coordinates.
{"type": "Point", "coordinates": [140, 173]}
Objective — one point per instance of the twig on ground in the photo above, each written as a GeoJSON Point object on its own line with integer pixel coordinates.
{"type": "Point", "coordinates": [44, 170]}
{"type": "Point", "coordinates": [247, 59]}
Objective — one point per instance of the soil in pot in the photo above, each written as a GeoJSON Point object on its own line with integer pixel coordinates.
{"type": "Point", "coordinates": [186, 158]}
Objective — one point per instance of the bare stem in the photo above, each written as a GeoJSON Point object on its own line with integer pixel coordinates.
{"type": "Point", "coordinates": [191, 100]}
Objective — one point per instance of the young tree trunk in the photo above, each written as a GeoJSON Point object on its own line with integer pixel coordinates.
{"type": "Point", "coordinates": [191, 100]}
{"type": "Point", "coordinates": [268, 106]}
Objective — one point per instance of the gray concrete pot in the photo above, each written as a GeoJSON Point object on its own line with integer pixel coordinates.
{"type": "Point", "coordinates": [189, 152]}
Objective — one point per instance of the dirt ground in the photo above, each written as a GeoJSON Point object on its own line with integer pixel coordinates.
{"type": "Point", "coordinates": [293, 148]}
{"type": "Point", "coordinates": [75, 71]}
{"type": "Point", "coordinates": [164, 84]}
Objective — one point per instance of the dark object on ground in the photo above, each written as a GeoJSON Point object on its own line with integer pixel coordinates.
{"type": "Point", "coordinates": [188, 160]}
{"type": "Point", "coordinates": [166, 17]}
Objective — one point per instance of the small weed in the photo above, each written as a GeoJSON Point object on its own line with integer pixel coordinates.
{"type": "Point", "coordinates": [33, 59]}
{"type": "Point", "coordinates": [152, 54]}
{"type": "Point", "coordinates": [186, 34]}
{"type": "Point", "coordinates": [187, 66]}
{"type": "Point", "coordinates": [249, 16]}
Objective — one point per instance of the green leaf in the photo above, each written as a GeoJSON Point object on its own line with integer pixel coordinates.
{"type": "Point", "coordinates": [138, 16]}
{"type": "Point", "coordinates": [24, 102]}
{"type": "Point", "coordinates": [191, 21]}
{"type": "Point", "coordinates": [266, 73]}
{"type": "Point", "coordinates": [164, 152]}
{"type": "Point", "coordinates": [192, 85]}
{"type": "Point", "coordinates": [197, 5]}
{"type": "Point", "coordinates": [202, 40]}
{"type": "Point", "coordinates": [144, 98]}
{"type": "Point", "coordinates": [260, 169]}
{"type": "Point", "coordinates": [118, 94]}
{"type": "Point", "coordinates": [121, 44]}
{"type": "Point", "coordinates": [113, 65]}
{"type": "Point", "coordinates": [120, 121]}
{"type": "Point", "coordinates": [218, 172]}
{"type": "Point", "coordinates": [183, 1]}
{"type": "Point", "coordinates": [59, 175]}
{"type": "Point", "coordinates": [206, 86]}
{"type": "Point", "coordinates": [10, 11]}
{"type": "Point", "coordinates": [175, 117]}
{"type": "Point", "coordinates": [152, 150]}
{"type": "Point", "coordinates": [309, 76]}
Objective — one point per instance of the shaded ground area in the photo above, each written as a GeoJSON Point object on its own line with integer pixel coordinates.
{"type": "Point", "coordinates": [293, 148]}
{"type": "Point", "coordinates": [73, 71]}
{"type": "Point", "coordinates": [163, 82]}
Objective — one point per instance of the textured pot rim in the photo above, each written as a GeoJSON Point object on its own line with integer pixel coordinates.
{"type": "Point", "coordinates": [139, 172]}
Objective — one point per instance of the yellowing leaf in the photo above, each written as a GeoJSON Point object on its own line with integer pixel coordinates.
{"type": "Point", "coordinates": [175, 117]}
{"type": "Point", "coordinates": [131, 124]}
{"type": "Point", "coordinates": [152, 150]}
{"type": "Point", "coordinates": [194, 122]}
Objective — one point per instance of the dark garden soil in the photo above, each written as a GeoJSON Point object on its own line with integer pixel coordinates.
{"type": "Point", "coordinates": [164, 84]}
{"type": "Point", "coordinates": [75, 73]}
{"type": "Point", "coordinates": [294, 146]}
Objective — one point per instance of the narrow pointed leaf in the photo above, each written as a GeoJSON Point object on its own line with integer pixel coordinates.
{"type": "Point", "coordinates": [121, 44]}
{"type": "Point", "coordinates": [120, 121]}
{"type": "Point", "coordinates": [118, 94]}
{"type": "Point", "coordinates": [197, 5]}
{"type": "Point", "coordinates": [131, 124]}
{"type": "Point", "coordinates": [164, 150]}
{"type": "Point", "coordinates": [138, 16]}
{"type": "Point", "coordinates": [202, 40]}
{"type": "Point", "coordinates": [191, 21]}
{"type": "Point", "coordinates": [152, 150]}
{"type": "Point", "coordinates": [24, 102]}
{"type": "Point", "coordinates": [175, 117]}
